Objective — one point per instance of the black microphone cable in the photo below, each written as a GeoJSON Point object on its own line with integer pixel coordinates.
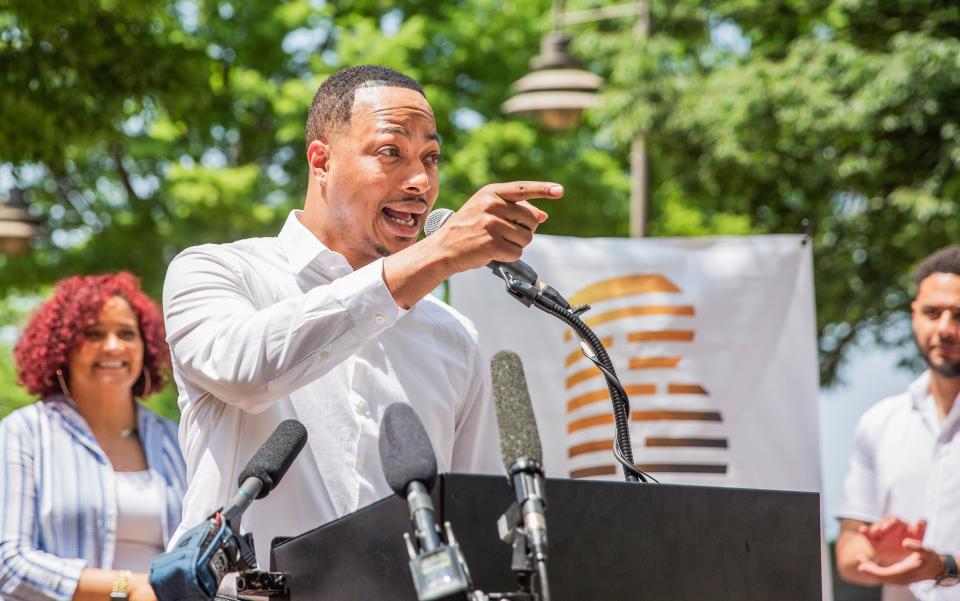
{"type": "Point", "coordinates": [523, 284]}
{"type": "Point", "coordinates": [622, 447]}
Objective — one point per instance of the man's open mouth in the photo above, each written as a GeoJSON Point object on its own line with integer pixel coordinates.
{"type": "Point", "coordinates": [401, 217]}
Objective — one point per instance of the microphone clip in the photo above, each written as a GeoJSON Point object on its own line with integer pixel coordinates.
{"type": "Point", "coordinates": [440, 574]}
{"type": "Point", "coordinates": [262, 584]}
{"type": "Point", "coordinates": [523, 284]}
{"type": "Point", "coordinates": [519, 284]}
{"type": "Point", "coordinates": [522, 525]}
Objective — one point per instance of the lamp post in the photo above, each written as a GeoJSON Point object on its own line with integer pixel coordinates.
{"type": "Point", "coordinates": [558, 90]}
{"type": "Point", "coordinates": [17, 226]}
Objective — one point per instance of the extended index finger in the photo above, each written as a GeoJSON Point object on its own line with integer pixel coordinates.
{"type": "Point", "coordinates": [525, 190]}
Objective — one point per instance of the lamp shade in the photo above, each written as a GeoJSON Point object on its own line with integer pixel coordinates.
{"type": "Point", "coordinates": [17, 226]}
{"type": "Point", "coordinates": [558, 90]}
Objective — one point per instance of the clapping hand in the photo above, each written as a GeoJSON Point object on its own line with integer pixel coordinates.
{"type": "Point", "coordinates": [919, 563]}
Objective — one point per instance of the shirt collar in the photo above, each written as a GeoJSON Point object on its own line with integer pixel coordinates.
{"type": "Point", "coordinates": [304, 250]}
{"type": "Point", "coordinates": [75, 422]}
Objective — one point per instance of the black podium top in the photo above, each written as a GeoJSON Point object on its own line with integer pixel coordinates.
{"type": "Point", "coordinates": [608, 541]}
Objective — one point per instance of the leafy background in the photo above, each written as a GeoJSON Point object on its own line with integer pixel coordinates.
{"type": "Point", "coordinates": [137, 129]}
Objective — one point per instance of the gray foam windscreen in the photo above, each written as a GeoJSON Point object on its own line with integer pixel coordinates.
{"type": "Point", "coordinates": [405, 450]}
{"type": "Point", "coordinates": [518, 426]}
{"type": "Point", "coordinates": [435, 220]}
{"type": "Point", "coordinates": [272, 460]}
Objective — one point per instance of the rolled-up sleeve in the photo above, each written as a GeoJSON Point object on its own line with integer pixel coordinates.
{"type": "Point", "coordinates": [27, 573]}
{"type": "Point", "coordinates": [251, 356]}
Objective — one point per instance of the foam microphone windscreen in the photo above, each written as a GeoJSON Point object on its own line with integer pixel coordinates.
{"type": "Point", "coordinates": [272, 460]}
{"type": "Point", "coordinates": [435, 219]}
{"type": "Point", "coordinates": [518, 426]}
{"type": "Point", "coordinates": [405, 451]}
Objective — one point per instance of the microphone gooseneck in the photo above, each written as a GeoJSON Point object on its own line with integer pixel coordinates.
{"type": "Point", "coordinates": [622, 447]}
{"type": "Point", "coordinates": [523, 284]}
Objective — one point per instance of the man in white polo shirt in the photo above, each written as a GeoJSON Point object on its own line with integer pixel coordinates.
{"type": "Point", "coordinates": [900, 519]}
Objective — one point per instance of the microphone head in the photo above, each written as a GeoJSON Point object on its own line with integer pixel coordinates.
{"type": "Point", "coordinates": [518, 426]}
{"type": "Point", "coordinates": [435, 220]}
{"type": "Point", "coordinates": [272, 460]}
{"type": "Point", "coordinates": [405, 451]}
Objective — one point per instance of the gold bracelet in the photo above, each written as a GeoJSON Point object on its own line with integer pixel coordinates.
{"type": "Point", "coordinates": [120, 592]}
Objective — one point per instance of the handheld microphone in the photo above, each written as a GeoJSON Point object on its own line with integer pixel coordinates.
{"type": "Point", "coordinates": [522, 281]}
{"type": "Point", "coordinates": [410, 467]}
{"type": "Point", "coordinates": [524, 523]}
{"type": "Point", "coordinates": [194, 568]}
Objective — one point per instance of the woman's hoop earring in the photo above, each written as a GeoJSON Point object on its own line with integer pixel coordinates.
{"type": "Point", "coordinates": [147, 384]}
{"type": "Point", "coordinates": [63, 384]}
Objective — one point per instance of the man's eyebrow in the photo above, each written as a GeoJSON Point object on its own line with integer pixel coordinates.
{"type": "Point", "coordinates": [393, 129]}
{"type": "Point", "coordinates": [943, 307]}
{"type": "Point", "coordinates": [403, 131]}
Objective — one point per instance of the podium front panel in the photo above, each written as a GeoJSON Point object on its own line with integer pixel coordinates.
{"type": "Point", "coordinates": [608, 541]}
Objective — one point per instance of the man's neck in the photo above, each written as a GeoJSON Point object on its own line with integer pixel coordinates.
{"type": "Point", "coordinates": [310, 220]}
{"type": "Point", "coordinates": [944, 391]}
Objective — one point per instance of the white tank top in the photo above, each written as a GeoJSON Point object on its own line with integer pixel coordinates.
{"type": "Point", "coordinates": [139, 526]}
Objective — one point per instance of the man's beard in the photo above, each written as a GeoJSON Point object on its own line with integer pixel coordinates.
{"type": "Point", "coordinates": [378, 248]}
{"type": "Point", "coordinates": [945, 369]}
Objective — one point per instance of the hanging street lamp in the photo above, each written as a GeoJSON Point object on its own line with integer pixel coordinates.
{"type": "Point", "coordinates": [17, 226]}
{"type": "Point", "coordinates": [558, 90]}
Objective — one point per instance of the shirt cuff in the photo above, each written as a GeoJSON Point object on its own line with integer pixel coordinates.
{"type": "Point", "coordinates": [368, 301]}
{"type": "Point", "coordinates": [862, 514]}
{"type": "Point", "coordinates": [70, 570]}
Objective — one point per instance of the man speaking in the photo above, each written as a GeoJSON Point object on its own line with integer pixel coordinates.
{"type": "Point", "coordinates": [330, 322]}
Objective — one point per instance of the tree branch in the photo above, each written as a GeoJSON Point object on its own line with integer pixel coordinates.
{"type": "Point", "coordinates": [123, 173]}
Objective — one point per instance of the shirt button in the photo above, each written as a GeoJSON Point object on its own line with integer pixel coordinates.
{"type": "Point", "coordinates": [379, 318]}
{"type": "Point", "coordinates": [324, 355]}
{"type": "Point", "coordinates": [361, 407]}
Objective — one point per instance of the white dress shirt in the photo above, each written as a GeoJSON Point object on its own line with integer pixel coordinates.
{"type": "Point", "coordinates": [906, 463]}
{"type": "Point", "coordinates": [268, 329]}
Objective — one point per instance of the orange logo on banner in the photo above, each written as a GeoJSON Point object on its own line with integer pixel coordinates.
{"type": "Point", "coordinates": [657, 395]}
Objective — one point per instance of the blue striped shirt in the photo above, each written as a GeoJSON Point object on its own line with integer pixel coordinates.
{"type": "Point", "coordinates": [58, 491]}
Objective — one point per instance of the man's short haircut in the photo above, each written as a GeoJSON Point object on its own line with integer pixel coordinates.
{"type": "Point", "coordinates": [945, 260]}
{"type": "Point", "coordinates": [333, 102]}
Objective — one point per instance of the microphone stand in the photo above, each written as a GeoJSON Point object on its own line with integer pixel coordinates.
{"type": "Point", "coordinates": [548, 300]}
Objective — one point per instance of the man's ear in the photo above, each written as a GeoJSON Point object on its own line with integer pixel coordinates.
{"type": "Point", "coordinates": [318, 157]}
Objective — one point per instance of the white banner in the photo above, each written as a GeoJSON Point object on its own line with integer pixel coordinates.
{"type": "Point", "coordinates": [714, 340]}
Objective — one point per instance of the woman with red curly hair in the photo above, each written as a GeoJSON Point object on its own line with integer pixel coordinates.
{"type": "Point", "coordinates": [92, 482]}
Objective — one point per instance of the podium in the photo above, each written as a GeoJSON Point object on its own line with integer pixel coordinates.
{"type": "Point", "coordinates": [608, 541]}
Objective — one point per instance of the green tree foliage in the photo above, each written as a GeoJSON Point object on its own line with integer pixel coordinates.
{"type": "Point", "coordinates": [140, 129]}
{"type": "Point", "coordinates": [843, 113]}
{"type": "Point", "coordinates": [11, 395]}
